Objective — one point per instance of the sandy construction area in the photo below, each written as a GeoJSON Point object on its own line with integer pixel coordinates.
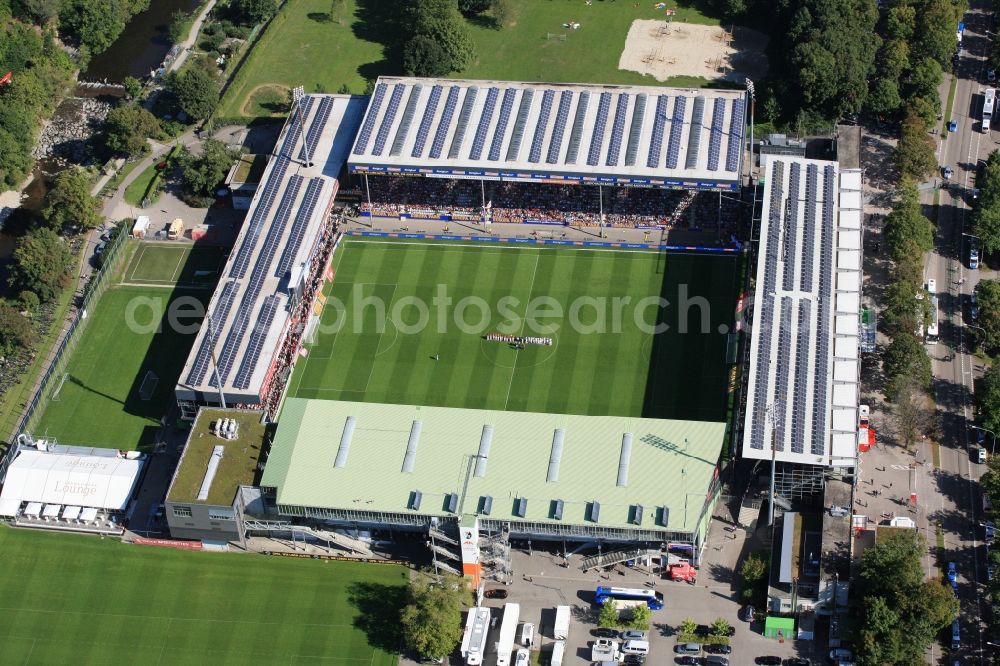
{"type": "Point", "coordinates": [663, 50]}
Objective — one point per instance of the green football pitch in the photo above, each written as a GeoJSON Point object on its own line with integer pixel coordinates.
{"type": "Point", "coordinates": [78, 600]}
{"type": "Point", "coordinates": [404, 323]}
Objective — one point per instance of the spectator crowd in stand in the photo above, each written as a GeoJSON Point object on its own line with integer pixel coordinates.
{"type": "Point", "coordinates": [573, 205]}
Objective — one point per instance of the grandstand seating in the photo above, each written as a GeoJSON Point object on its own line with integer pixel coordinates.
{"type": "Point", "coordinates": [715, 140]}
{"type": "Point", "coordinates": [299, 226]}
{"type": "Point", "coordinates": [573, 148]}
{"type": "Point", "coordinates": [694, 135]}
{"type": "Point", "coordinates": [540, 126]}
{"type": "Point", "coordinates": [316, 126]}
{"type": "Point", "coordinates": [656, 140]}
{"type": "Point", "coordinates": [446, 114]}
{"type": "Point", "coordinates": [635, 130]}
{"type": "Point", "coordinates": [390, 116]}
{"type": "Point", "coordinates": [594, 155]}
{"type": "Point", "coordinates": [517, 135]}
{"type": "Point", "coordinates": [736, 127]}
{"type": "Point", "coordinates": [506, 106]}
{"type": "Point", "coordinates": [463, 121]}
{"type": "Point", "coordinates": [559, 127]}
{"type": "Point", "coordinates": [485, 120]}
{"type": "Point", "coordinates": [405, 121]}
{"type": "Point", "coordinates": [256, 344]}
{"type": "Point", "coordinates": [676, 129]}
{"type": "Point", "coordinates": [617, 131]}
{"type": "Point", "coordinates": [365, 134]}
{"type": "Point", "coordinates": [425, 122]}
{"type": "Point", "coordinates": [219, 314]}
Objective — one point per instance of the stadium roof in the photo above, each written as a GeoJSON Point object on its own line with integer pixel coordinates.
{"type": "Point", "coordinates": [804, 361]}
{"type": "Point", "coordinates": [372, 457]}
{"type": "Point", "coordinates": [71, 479]}
{"type": "Point", "coordinates": [249, 310]}
{"type": "Point", "coordinates": [235, 467]}
{"type": "Point", "coordinates": [672, 137]}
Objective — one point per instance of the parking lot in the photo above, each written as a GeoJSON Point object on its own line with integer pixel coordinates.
{"type": "Point", "coordinates": [542, 582]}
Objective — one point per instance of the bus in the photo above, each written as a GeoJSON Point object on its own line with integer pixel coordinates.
{"type": "Point", "coordinates": [628, 595]}
{"type": "Point", "coordinates": [989, 98]}
{"type": "Point", "coordinates": [932, 326]}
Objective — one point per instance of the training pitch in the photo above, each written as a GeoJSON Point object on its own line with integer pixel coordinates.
{"type": "Point", "coordinates": [404, 324]}
{"type": "Point", "coordinates": [79, 600]}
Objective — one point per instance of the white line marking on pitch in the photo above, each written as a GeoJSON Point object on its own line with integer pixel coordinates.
{"type": "Point", "coordinates": [513, 368]}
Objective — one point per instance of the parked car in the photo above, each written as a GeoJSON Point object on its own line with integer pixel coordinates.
{"type": "Point", "coordinates": [991, 571]}
{"type": "Point", "coordinates": [841, 654]}
{"type": "Point", "coordinates": [523, 658]}
{"type": "Point", "coordinates": [687, 648]}
{"type": "Point", "coordinates": [952, 573]}
{"type": "Point", "coordinates": [797, 661]}
{"type": "Point", "coordinates": [746, 613]}
{"type": "Point", "coordinates": [714, 648]}
{"type": "Point", "coordinates": [634, 659]}
{"type": "Point", "coordinates": [952, 126]}
{"type": "Point", "coordinates": [604, 632]}
{"type": "Point", "coordinates": [769, 660]}
{"type": "Point", "coordinates": [948, 172]}
{"type": "Point", "coordinates": [633, 635]}
{"type": "Point", "coordinates": [989, 532]}
{"type": "Point", "coordinates": [495, 593]}
{"type": "Point", "coordinates": [973, 259]}
{"type": "Point", "coordinates": [99, 250]}
{"type": "Point", "coordinates": [991, 75]}
{"type": "Point", "coordinates": [687, 659]}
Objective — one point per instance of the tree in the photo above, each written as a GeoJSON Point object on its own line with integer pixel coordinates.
{"type": "Point", "coordinates": [473, 7]}
{"type": "Point", "coordinates": [879, 634]}
{"type": "Point", "coordinates": [440, 21]}
{"type": "Point", "coordinates": [15, 330]}
{"type": "Point", "coordinates": [988, 396]}
{"type": "Point", "coordinates": [201, 173]}
{"type": "Point", "coordinates": [905, 223]}
{"type": "Point", "coordinates": [41, 11]}
{"type": "Point", "coordinates": [41, 264]}
{"type": "Point", "coordinates": [914, 154]}
{"type": "Point", "coordinates": [884, 96]}
{"type": "Point", "coordinates": [133, 87]}
{"type": "Point", "coordinates": [988, 299]}
{"type": "Point", "coordinates": [196, 90]}
{"type": "Point", "coordinates": [935, 30]}
{"type": "Point", "coordinates": [255, 11]}
{"type": "Point", "coordinates": [640, 617]}
{"type": "Point", "coordinates": [688, 627]}
{"type": "Point", "coordinates": [721, 627]}
{"type": "Point", "coordinates": [502, 12]}
{"type": "Point", "coordinates": [608, 616]}
{"type": "Point", "coordinates": [29, 300]}
{"type": "Point", "coordinates": [69, 201]}
{"type": "Point", "coordinates": [422, 56]}
{"type": "Point", "coordinates": [432, 621]}
{"type": "Point", "coordinates": [901, 21]}
{"type": "Point", "coordinates": [178, 30]}
{"type": "Point", "coordinates": [990, 480]}
{"type": "Point", "coordinates": [912, 418]}
{"type": "Point", "coordinates": [986, 215]}
{"type": "Point", "coordinates": [753, 569]}
{"type": "Point", "coordinates": [924, 78]}
{"type": "Point", "coordinates": [127, 127]}
{"type": "Point", "coordinates": [903, 311]}
{"type": "Point", "coordinates": [905, 357]}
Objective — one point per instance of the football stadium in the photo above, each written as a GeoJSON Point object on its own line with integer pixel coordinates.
{"type": "Point", "coordinates": [516, 385]}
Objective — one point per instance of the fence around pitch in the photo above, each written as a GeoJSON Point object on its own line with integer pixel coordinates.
{"type": "Point", "coordinates": [60, 356]}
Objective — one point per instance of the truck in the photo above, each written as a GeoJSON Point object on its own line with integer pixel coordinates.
{"type": "Point", "coordinates": [558, 650]}
{"type": "Point", "coordinates": [604, 649]}
{"type": "Point", "coordinates": [175, 229]}
{"type": "Point", "coordinates": [508, 631]}
{"type": "Point", "coordinates": [682, 571]}
{"type": "Point", "coordinates": [561, 631]}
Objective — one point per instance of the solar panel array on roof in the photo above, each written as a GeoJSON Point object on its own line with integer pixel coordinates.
{"type": "Point", "coordinates": [656, 141]}
{"type": "Point", "coordinates": [404, 122]}
{"type": "Point", "coordinates": [425, 123]}
{"type": "Point", "coordinates": [388, 118]}
{"type": "Point", "coordinates": [617, 130]}
{"type": "Point", "coordinates": [256, 345]}
{"type": "Point", "coordinates": [257, 219]}
{"type": "Point", "coordinates": [802, 372]}
{"type": "Point", "coordinates": [809, 230]}
{"type": "Point", "coordinates": [446, 114]}
{"type": "Point", "coordinates": [316, 126]}
{"type": "Point", "coordinates": [791, 224]}
{"type": "Point", "coordinates": [635, 130]}
{"type": "Point", "coordinates": [219, 314]}
{"type": "Point", "coordinates": [784, 365]}
{"type": "Point", "coordinates": [522, 119]}
{"type": "Point", "coordinates": [361, 145]}
{"type": "Point", "coordinates": [543, 120]}
{"type": "Point", "coordinates": [463, 121]}
{"type": "Point", "coordinates": [559, 128]}
{"type": "Point", "coordinates": [505, 108]}
{"type": "Point", "coordinates": [479, 140]}
{"type": "Point", "coordinates": [694, 134]}
{"type": "Point", "coordinates": [735, 136]}
{"type": "Point", "coordinates": [715, 140]}
{"type": "Point", "coordinates": [299, 226]}
{"type": "Point", "coordinates": [676, 129]}
{"type": "Point", "coordinates": [821, 376]}
{"type": "Point", "coordinates": [599, 124]}
{"type": "Point", "coordinates": [294, 129]}
{"type": "Point", "coordinates": [573, 148]}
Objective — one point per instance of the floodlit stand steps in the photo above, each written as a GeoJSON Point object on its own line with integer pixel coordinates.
{"type": "Point", "coordinates": [615, 557]}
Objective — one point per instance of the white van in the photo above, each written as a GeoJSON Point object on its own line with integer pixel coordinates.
{"type": "Point", "coordinates": [636, 647]}
{"type": "Point", "coordinates": [527, 634]}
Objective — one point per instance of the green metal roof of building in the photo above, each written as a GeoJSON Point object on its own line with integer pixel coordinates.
{"type": "Point", "coordinates": [671, 463]}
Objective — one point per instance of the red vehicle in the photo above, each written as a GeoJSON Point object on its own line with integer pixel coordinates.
{"type": "Point", "coordinates": [682, 571]}
{"type": "Point", "coordinates": [495, 593]}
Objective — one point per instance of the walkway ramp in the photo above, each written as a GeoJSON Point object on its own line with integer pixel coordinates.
{"type": "Point", "coordinates": [614, 557]}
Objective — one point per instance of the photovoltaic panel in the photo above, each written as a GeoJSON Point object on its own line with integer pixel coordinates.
{"type": "Point", "coordinates": [715, 140]}
{"type": "Point", "coordinates": [365, 134]}
{"type": "Point", "coordinates": [388, 118]}
{"type": "Point", "coordinates": [506, 106]}
{"type": "Point", "coordinates": [294, 132]}
{"type": "Point", "coordinates": [256, 344]}
{"type": "Point", "coordinates": [299, 227]}
{"type": "Point", "coordinates": [791, 229]}
{"type": "Point", "coordinates": [656, 140]}
{"type": "Point", "coordinates": [694, 133]}
{"type": "Point", "coordinates": [573, 148]}
{"type": "Point", "coordinates": [802, 373]}
{"type": "Point", "coordinates": [257, 218]}
{"type": "Point", "coordinates": [463, 121]}
{"type": "Point", "coordinates": [635, 130]}
{"type": "Point", "coordinates": [316, 127]}
{"type": "Point", "coordinates": [617, 130]}
{"type": "Point", "coordinates": [603, 106]}
{"type": "Point", "coordinates": [676, 129]}
{"type": "Point", "coordinates": [783, 367]}
{"type": "Point", "coordinates": [425, 123]}
{"type": "Point", "coordinates": [559, 128]}
{"type": "Point", "coordinates": [809, 229]}
{"type": "Point", "coordinates": [485, 120]}
{"type": "Point", "coordinates": [736, 126]}
{"type": "Point", "coordinates": [445, 122]}
{"type": "Point", "coordinates": [824, 336]}
{"type": "Point", "coordinates": [405, 121]}
{"type": "Point", "coordinates": [517, 135]}
{"type": "Point", "coordinates": [219, 315]}
{"type": "Point", "coordinates": [540, 126]}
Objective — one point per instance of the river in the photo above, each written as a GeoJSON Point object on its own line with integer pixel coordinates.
{"type": "Point", "coordinates": [141, 46]}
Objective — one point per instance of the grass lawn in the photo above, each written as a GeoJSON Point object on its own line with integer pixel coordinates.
{"type": "Point", "coordinates": [302, 47]}
{"type": "Point", "coordinates": [606, 365]}
{"type": "Point", "coordinates": [158, 263]}
{"type": "Point", "coordinates": [137, 189]}
{"type": "Point", "coordinates": [99, 403]}
{"type": "Point", "coordinates": [85, 600]}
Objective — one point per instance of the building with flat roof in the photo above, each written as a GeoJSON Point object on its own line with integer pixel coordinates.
{"type": "Point", "coordinates": [202, 498]}
{"type": "Point", "coordinates": [802, 401]}
{"type": "Point", "coordinates": [254, 318]}
{"type": "Point", "coordinates": [532, 475]}
{"type": "Point", "coordinates": [553, 132]}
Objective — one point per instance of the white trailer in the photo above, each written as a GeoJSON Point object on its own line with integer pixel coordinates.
{"type": "Point", "coordinates": [561, 631]}
{"type": "Point", "coordinates": [477, 625]}
{"type": "Point", "coordinates": [508, 631]}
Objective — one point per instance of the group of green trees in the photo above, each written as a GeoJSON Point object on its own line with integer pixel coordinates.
{"type": "Point", "coordinates": [899, 612]}
{"type": "Point", "coordinates": [986, 211]}
{"type": "Point", "coordinates": [432, 620]}
{"type": "Point", "coordinates": [437, 41]}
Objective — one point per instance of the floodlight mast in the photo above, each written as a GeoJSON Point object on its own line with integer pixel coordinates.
{"type": "Point", "coordinates": [298, 94]}
{"type": "Point", "coordinates": [215, 361]}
